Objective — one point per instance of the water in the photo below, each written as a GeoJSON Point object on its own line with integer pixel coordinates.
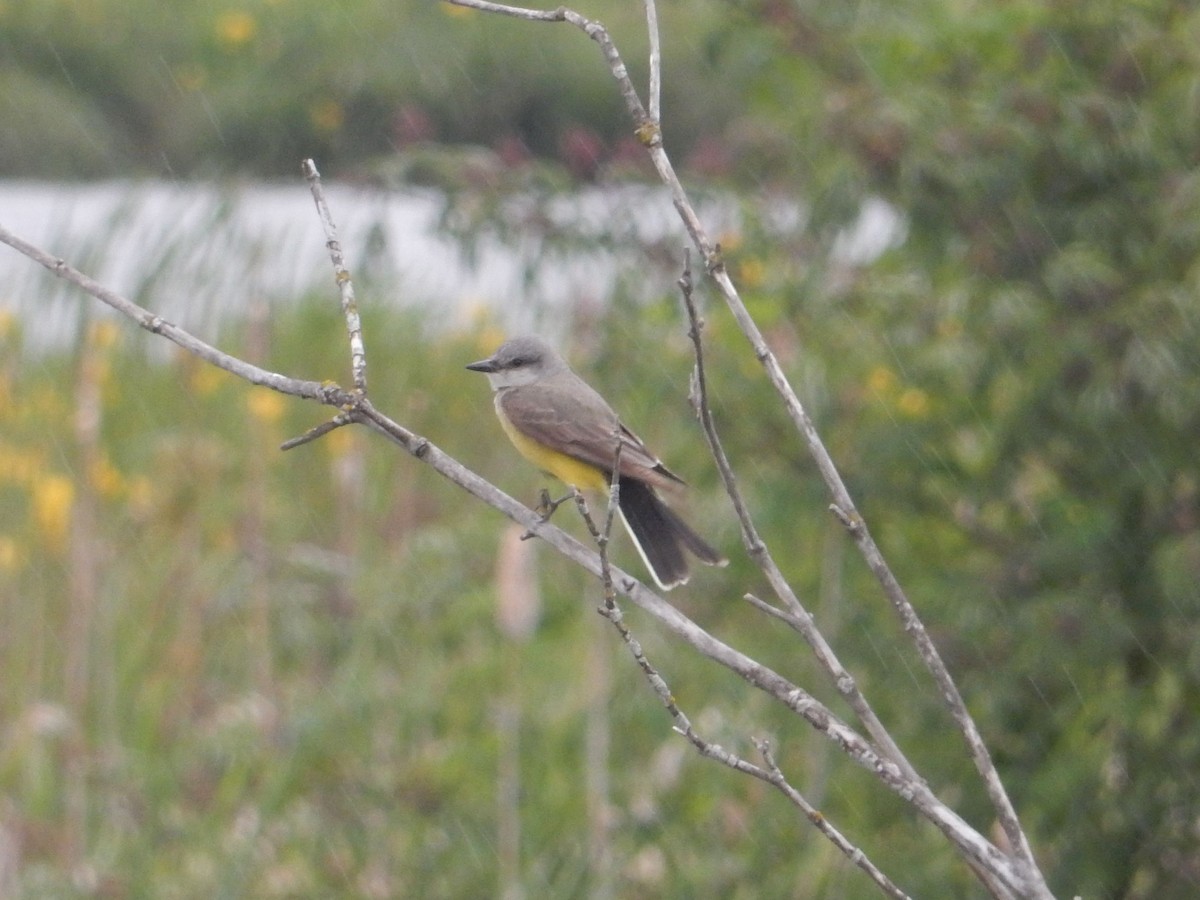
{"type": "Point", "coordinates": [196, 252]}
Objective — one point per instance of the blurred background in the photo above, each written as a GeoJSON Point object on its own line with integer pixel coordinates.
{"type": "Point", "coordinates": [971, 232]}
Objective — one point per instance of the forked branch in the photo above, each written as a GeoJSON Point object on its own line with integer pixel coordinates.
{"type": "Point", "coordinates": [355, 406]}
{"type": "Point", "coordinates": [1030, 881]}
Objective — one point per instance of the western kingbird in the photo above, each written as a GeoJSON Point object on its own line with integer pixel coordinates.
{"type": "Point", "coordinates": [565, 428]}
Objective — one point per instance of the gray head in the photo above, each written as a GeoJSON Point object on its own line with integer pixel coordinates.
{"type": "Point", "coordinates": [520, 360]}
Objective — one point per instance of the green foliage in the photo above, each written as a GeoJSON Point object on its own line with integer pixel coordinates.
{"type": "Point", "coordinates": [1030, 416]}
{"type": "Point", "coordinates": [115, 87]}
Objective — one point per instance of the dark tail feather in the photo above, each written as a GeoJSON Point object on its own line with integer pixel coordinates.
{"type": "Point", "coordinates": [661, 535]}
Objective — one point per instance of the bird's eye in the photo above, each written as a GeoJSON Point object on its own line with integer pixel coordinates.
{"type": "Point", "coordinates": [519, 361]}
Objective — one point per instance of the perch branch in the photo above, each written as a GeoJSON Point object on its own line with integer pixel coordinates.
{"type": "Point", "coordinates": [775, 777]}
{"type": "Point", "coordinates": [341, 275]}
{"type": "Point", "coordinates": [356, 407]}
{"type": "Point", "coordinates": [655, 89]}
{"type": "Point", "coordinates": [772, 774]}
{"type": "Point", "coordinates": [797, 616]}
{"type": "Point", "coordinates": [325, 392]}
{"type": "Point", "coordinates": [1031, 880]}
{"type": "Point", "coordinates": [317, 431]}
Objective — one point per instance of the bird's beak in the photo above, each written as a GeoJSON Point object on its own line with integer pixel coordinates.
{"type": "Point", "coordinates": [484, 365]}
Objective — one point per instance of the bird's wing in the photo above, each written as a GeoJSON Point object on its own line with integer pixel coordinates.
{"type": "Point", "coordinates": [575, 420]}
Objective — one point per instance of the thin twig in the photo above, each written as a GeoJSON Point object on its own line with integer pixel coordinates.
{"type": "Point", "coordinates": [799, 618]}
{"type": "Point", "coordinates": [655, 90]}
{"type": "Point", "coordinates": [782, 615]}
{"type": "Point", "coordinates": [614, 503]}
{"type": "Point", "coordinates": [645, 127]}
{"type": "Point", "coordinates": [599, 537]}
{"type": "Point", "coordinates": [519, 12]}
{"type": "Point", "coordinates": [341, 275]}
{"type": "Point", "coordinates": [359, 408]}
{"type": "Point", "coordinates": [1031, 879]}
{"type": "Point", "coordinates": [612, 611]}
{"type": "Point", "coordinates": [776, 777]}
{"type": "Point", "coordinates": [326, 392]}
{"type": "Point", "coordinates": [317, 431]}
{"type": "Point", "coordinates": [682, 724]}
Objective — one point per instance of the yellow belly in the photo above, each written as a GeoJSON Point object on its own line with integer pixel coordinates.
{"type": "Point", "coordinates": [565, 468]}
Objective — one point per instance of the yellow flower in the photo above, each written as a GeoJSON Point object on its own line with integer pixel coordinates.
{"type": "Point", "coordinates": [913, 403]}
{"type": "Point", "coordinates": [141, 496]}
{"type": "Point", "coordinates": [10, 554]}
{"type": "Point", "coordinates": [752, 272]}
{"type": "Point", "coordinates": [326, 115]}
{"type": "Point", "coordinates": [340, 442]}
{"type": "Point", "coordinates": [266, 406]}
{"type": "Point", "coordinates": [105, 478]}
{"type": "Point", "coordinates": [235, 29]}
{"type": "Point", "coordinates": [205, 379]}
{"type": "Point", "coordinates": [881, 380]}
{"type": "Point", "coordinates": [53, 496]}
{"type": "Point", "coordinates": [104, 334]}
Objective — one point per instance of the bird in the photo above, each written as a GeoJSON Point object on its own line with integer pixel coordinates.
{"type": "Point", "coordinates": [557, 421]}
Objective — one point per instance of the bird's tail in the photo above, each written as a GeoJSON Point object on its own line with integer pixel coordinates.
{"type": "Point", "coordinates": [661, 536]}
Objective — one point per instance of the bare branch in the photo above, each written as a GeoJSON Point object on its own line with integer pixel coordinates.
{"type": "Point", "coordinates": [911, 622]}
{"type": "Point", "coordinates": [341, 275]}
{"type": "Point", "coordinates": [683, 724]}
{"type": "Point", "coordinates": [799, 618]}
{"type": "Point", "coordinates": [972, 844]}
{"type": "Point", "coordinates": [325, 392]}
{"type": "Point", "coordinates": [317, 431]}
{"type": "Point", "coordinates": [646, 127]}
{"type": "Point", "coordinates": [357, 407]}
{"type": "Point", "coordinates": [614, 503]}
{"type": "Point", "coordinates": [648, 131]}
{"type": "Point", "coordinates": [772, 774]}
{"type": "Point", "coordinates": [518, 12]}
{"type": "Point", "coordinates": [776, 777]}
{"type": "Point", "coordinates": [655, 89]}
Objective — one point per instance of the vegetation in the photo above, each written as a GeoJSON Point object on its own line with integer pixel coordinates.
{"type": "Point", "coordinates": [293, 668]}
{"type": "Point", "coordinates": [1045, 304]}
{"type": "Point", "coordinates": [299, 695]}
{"type": "Point", "coordinates": [199, 89]}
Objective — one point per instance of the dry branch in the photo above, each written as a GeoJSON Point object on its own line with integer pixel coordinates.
{"type": "Point", "coordinates": [1004, 875]}
{"type": "Point", "coordinates": [1029, 880]}
{"type": "Point", "coordinates": [355, 406]}
{"type": "Point", "coordinates": [799, 618]}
